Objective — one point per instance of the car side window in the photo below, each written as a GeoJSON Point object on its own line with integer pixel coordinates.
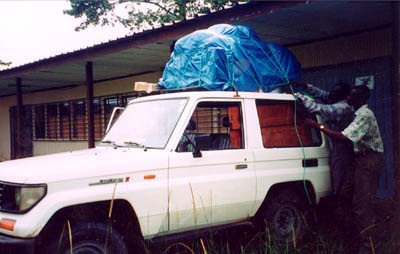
{"type": "Point", "coordinates": [277, 125]}
{"type": "Point", "coordinates": [214, 126]}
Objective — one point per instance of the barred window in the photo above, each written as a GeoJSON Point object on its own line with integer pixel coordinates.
{"type": "Point", "coordinates": [79, 120]}
{"type": "Point", "coordinates": [65, 120]}
{"type": "Point", "coordinates": [39, 123]}
{"type": "Point", "coordinates": [109, 104]}
{"type": "Point", "coordinates": [68, 120]}
{"type": "Point", "coordinates": [97, 119]}
{"type": "Point", "coordinates": [52, 121]}
{"type": "Point", "coordinates": [126, 99]}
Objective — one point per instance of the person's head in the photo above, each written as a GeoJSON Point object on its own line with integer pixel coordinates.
{"type": "Point", "coordinates": [339, 92]}
{"type": "Point", "coordinates": [358, 96]}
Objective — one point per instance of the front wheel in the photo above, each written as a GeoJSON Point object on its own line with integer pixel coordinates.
{"type": "Point", "coordinates": [90, 238]}
{"type": "Point", "coordinates": [287, 218]}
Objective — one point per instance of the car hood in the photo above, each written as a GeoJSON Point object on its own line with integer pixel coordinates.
{"type": "Point", "coordinates": [101, 161]}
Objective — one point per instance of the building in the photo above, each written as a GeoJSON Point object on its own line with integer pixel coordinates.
{"type": "Point", "coordinates": [64, 102]}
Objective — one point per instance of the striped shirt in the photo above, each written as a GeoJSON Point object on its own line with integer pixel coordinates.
{"type": "Point", "coordinates": [337, 116]}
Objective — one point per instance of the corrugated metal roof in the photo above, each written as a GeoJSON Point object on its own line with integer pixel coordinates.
{"type": "Point", "coordinates": [281, 22]}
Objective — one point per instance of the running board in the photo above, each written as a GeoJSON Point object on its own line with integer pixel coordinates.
{"type": "Point", "coordinates": [197, 232]}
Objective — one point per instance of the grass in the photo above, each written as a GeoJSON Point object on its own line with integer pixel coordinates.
{"type": "Point", "coordinates": [247, 242]}
{"type": "Point", "coordinates": [327, 237]}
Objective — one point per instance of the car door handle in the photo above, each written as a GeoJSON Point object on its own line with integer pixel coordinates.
{"type": "Point", "coordinates": [241, 166]}
{"type": "Point", "coordinates": [310, 163]}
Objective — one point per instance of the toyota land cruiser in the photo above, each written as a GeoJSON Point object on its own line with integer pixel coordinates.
{"type": "Point", "coordinates": [170, 164]}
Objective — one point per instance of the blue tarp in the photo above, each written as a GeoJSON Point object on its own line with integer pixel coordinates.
{"type": "Point", "coordinates": [226, 57]}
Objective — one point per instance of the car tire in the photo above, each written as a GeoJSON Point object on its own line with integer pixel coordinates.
{"type": "Point", "coordinates": [287, 218]}
{"type": "Point", "coordinates": [90, 238]}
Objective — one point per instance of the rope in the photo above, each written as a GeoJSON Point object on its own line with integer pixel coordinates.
{"type": "Point", "coordinates": [302, 147]}
{"type": "Point", "coordinates": [280, 68]}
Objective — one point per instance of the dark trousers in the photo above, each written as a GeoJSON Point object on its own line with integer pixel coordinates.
{"type": "Point", "coordinates": [340, 161]}
{"type": "Point", "coordinates": [367, 168]}
{"type": "Point", "coordinates": [342, 172]}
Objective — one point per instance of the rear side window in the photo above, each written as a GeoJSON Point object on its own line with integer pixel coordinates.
{"type": "Point", "coordinates": [277, 125]}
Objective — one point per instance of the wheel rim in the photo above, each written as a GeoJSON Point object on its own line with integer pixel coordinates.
{"type": "Point", "coordinates": [286, 220]}
{"type": "Point", "coordinates": [88, 248]}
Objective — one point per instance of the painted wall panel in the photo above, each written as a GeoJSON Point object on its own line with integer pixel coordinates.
{"type": "Point", "coordinates": [352, 48]}
{"type": "Point", "coordinates": [49, 147]}
{"type": "Point", "coordinates": [5, 148]}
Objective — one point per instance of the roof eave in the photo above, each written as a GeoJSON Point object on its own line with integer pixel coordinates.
{"type": "Point", "coordinates": [231, 15]}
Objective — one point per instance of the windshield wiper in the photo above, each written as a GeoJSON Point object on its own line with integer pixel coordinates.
{"type": "Point", "coordinates": [110, 142]}
{"type": "Point", "coordinates": [135, 144]}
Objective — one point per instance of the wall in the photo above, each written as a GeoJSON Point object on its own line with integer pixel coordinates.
{"type": "Point", "coordinates": [328, 62]}
{"type": "Point", "coordinates": [49, 147]}
{"type": "Point", "coordinates": [46, 147]}
{"type": "Point", "coordinates": [380, 101]}
{"type": "Point", "coordinates": [347, 49]}
{"type": "Point", "coordinates": [5, 149]}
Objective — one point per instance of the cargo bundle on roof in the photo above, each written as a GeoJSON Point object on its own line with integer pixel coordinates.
{"type": "Point", "coordinates": [225, 57]}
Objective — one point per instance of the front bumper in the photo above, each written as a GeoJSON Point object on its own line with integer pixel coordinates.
{"type": "Point", "coordinates": [13, 245]}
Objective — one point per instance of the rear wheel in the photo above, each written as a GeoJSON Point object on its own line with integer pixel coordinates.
{"type": "Point", "coordinates": [287, 218]}
{"type": "Point", "coordinates": [90, 238]}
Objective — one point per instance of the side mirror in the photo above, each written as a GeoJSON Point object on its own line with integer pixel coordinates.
{"type": "Point", "coordinates": [226, 123]}
{"type": "Point", "coordinates": [191, 125]}
{"type": "Point", "coordinates": [196, 152]}
{"type": "Point", "coordinates": [196, 149]}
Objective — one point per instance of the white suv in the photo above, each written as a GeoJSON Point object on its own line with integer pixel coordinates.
{"type": "Point", "coordinates": [170, 164]}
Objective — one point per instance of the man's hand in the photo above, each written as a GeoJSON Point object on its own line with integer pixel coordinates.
{"type": "Point", "coordinates": [331, 133]}
{"type": "Point", "coordinates": [286, 89]}
{"type": "Point", "coordinates": [298, 84]}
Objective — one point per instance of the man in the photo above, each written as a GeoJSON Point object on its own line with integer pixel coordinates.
{"type": "Point", "coordinates": [337, 114]}
{"type": "Point", "coordinates": [363, 131]}
{"type": "Point", "coordinates": [335, 95]}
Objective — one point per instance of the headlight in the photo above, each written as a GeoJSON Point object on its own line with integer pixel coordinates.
{"type": "Point", "coordinates": [20, 198]}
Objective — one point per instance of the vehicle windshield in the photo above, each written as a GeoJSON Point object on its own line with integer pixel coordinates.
{"type": "Point", "coordinates": [146, 124]}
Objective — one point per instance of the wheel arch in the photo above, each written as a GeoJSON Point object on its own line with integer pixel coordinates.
{"type": "Point", "coordinates": [304, 188]}
{"type": "Point", "coordinates": [123, 219]}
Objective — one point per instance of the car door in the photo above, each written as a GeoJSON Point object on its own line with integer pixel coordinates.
{"type": "Point", "coordinates": [211, 173]}
{"type": "Point", "coordinates": [286, 150]}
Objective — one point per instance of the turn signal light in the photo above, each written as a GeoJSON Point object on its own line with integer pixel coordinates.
{"type": "Point", "coordinates": [7, 224]}
{"type": "Point", "coordinates": [147, 177]}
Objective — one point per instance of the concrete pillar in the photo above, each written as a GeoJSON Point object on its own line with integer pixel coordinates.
{"type": "Point", "coordinates": [89, 103]}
